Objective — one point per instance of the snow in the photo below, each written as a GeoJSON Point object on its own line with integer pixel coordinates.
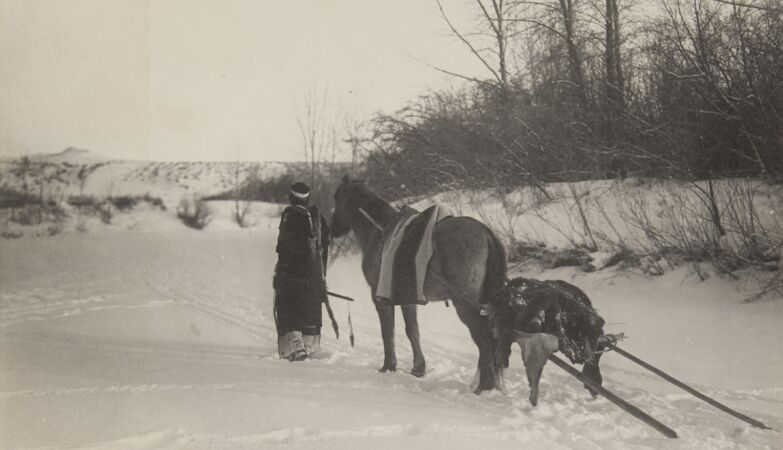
{"type": "Point", "coordinates": [618, 211]}
{"type": "Point", "coordinates": [165, 339]}
{"type": "Point", "coordinates": [71, 155]}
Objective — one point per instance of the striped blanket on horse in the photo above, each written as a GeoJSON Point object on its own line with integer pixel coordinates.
{"type": "Point", "coordinates": [408, 247]}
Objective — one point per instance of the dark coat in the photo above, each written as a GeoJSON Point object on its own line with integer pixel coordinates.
{"type": "Point", "coordinates": [303, 244]}
{"type": "Point", "coordinates": [303, 252]}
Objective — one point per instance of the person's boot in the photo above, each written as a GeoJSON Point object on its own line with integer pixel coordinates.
{"type": "Point", "coordinates": [297, 346]}
{"type": "Point", "coordinates": [284, 348]}
{"type": "Point", "coordinates": [312, 343]}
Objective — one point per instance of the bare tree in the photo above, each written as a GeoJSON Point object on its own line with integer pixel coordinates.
{"type": "Point", "coordinates": [22, 170]}
{"type": "Point", "coordinates": [769, 6]}
{"type": "Point", "coordinates": [352, 127]}
{"type": "Point", "coordinates": [491, 41]}
{"type": "Point", "coordinates": [243, 195]}
{"type": "Point", "coordinates": [557, 20]}
{"type": "Point", "coordinates": [614, 72]}
{"type": "Point", "coordinates": [317, 128]}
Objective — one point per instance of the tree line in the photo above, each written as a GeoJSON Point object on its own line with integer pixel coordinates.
{"type": "Point", "coordinates": [593, 89]}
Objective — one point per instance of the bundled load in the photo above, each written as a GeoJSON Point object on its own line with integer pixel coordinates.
{"type": "Point", "coordinates": [542, 317]}
{"type": "Point", "coordinates": [553, 307]}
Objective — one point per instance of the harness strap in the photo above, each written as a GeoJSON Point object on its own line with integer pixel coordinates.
{"type": "Point", "coordinates": [372, 221]}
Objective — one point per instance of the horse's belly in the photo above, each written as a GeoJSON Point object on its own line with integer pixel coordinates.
{"type": "Point", "coordinates": [434, 289]}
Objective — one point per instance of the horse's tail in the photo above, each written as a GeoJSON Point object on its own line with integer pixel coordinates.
{"type": "Point", "coordinates": [497, 266]}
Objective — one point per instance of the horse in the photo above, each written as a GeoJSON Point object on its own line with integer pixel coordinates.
{"type": "Point", "coordinates": [468, 264]}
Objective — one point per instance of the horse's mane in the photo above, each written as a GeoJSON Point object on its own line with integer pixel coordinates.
{"type": "Point", "coordinates": [378, 208]}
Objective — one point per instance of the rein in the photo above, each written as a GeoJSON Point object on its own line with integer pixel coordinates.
{"type": "Point", "coordinates": [369, 217]}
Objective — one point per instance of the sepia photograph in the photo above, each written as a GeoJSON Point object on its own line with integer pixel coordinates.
{"type": "Point", "coordinates": [376, 224]}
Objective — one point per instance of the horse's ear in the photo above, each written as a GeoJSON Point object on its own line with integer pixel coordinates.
{"type": "Point", "coordinates": [346, 179]}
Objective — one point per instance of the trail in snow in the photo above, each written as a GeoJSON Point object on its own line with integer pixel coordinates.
{"type": "Point", "coordinates": [164, 340]}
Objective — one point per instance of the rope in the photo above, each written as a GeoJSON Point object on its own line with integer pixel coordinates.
{"type": "Point", "coordinates": [372, 221]}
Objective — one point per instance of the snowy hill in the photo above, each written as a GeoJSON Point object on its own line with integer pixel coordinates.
{"type": "Point", "coordinates": [105, 177]}
{"type": "Point", "coordinates": [70, 155]}
{"type": "Point", "coordinates": [74, 176]}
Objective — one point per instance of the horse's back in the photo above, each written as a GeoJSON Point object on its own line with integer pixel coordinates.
{"type": "Point", "coordinates": [468, 257]}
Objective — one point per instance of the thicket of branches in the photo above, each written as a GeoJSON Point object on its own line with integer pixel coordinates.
{"type": "Point", "coordinates": [586, 89]}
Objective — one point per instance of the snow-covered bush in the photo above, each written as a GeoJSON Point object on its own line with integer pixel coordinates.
{"type": "Point", "coordinates": [194, 213]}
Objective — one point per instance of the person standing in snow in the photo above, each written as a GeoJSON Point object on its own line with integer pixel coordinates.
{"type": "Point", "coordinates": [300, 276]}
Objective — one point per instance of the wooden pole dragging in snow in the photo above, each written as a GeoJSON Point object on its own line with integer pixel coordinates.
{"type": "Point", "coordinates": [627, 407]}
{"type": "Point", "coordinates": [331, 317]}
{"type": "Point", "coordinates": [344, 297]}
{"type": "Point", "coordinates": [689, 389]}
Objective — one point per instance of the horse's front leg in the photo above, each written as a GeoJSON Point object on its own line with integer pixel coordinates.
{"type": "Point", "coordinates": [592, 370]}
{"type": "Point", "coordinates": [386, 316]}
{"type": "Point", "coordinates": [412, 330]}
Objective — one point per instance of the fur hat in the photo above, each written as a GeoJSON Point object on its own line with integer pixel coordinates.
{"type": "Point", "coordinates": [299, 194]}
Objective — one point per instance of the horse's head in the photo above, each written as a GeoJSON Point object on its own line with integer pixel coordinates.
{"type": "Point", "coordinates": [344, 205]}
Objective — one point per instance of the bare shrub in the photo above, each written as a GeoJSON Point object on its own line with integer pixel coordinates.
{"type": "Point", "coordinates": [81, 201]}
{"type": "Point", "coordinates": [104, 211]}
{"type": "Point", "coordinates": [128, 202]}
{"type": "Point", "coordinates": [623, 257]}
{"type": "Point", "coordinates": [54, 229]}
{"type": "Point", "coordinates": [617, 240]}
{"type": "Point", "coordinates": [697, 223]}
{"type": "Point", "coordinates": [504, 210]}
{"type": "Point", "coordinates": [195, 213]}
{"type": "Point", "coordinates": [90, 206]}
{"type": "Point", "coordinates": [123, 202]}
{"type": "Point", "coordinates": [524, 255]}
{"type": "Point", "coordinates": [11, 234]}
{"type": "Point", "coordinates": [748, 236]}
{"type": "Point", "coordinates": [580, 198]}
{"type": "Point", "coordinates": [574, 207]}
{"type": "Point", "coordinates": [11, 198]}
{"type": "Point", "coordinates": [679, 231]}
{"type": "Point", "coordinates": [26, 215]}
{"type": "Point", "coordinates": [154, 201]}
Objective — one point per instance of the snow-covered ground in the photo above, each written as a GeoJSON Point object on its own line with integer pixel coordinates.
{"type": "Point", "coordinates": [165, 339]}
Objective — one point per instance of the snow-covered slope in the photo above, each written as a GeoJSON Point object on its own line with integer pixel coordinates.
{"type": "Point", "coordinates": [166, 340]}
{"type": "Point", "coordinates": [59, 174]}
{"type": "Point", "coordinates": [78, 183]}
{"type": "Point", "coordinates": [70, 155]}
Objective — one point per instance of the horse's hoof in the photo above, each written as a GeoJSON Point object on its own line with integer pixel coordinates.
{"type": "Point", "coordinates": [534, 397]}
{"type": "Point", "coordinates": [418, 372]}
{"type": "Point", "coordinates": [479, 391]}
{"type": "Point", "coordinates": [386, 369]}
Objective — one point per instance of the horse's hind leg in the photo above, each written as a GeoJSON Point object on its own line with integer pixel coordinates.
{"type": "Point", "coordinates": [486, 343]}
{"type": "Point", "coordinates": [412, 330]}
{"type": "Point", "coordinates": [386, 316]}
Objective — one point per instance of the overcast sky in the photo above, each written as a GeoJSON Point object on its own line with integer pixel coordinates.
{"type": "Point", "coordinates": [208, 80]}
